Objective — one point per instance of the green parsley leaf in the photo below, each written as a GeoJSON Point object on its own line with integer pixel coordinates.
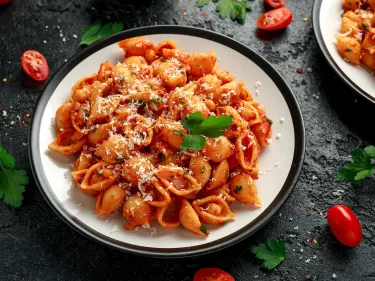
{"type": "Point", "coordinates": [272, 254]}
{"type": "Point", "coordinates": [155, 100]}
{"type": "Point", "coordinates": [204, 228]}
{"type": "Point", "coordinates": [193, 142]}
{"type": "Point", "coordinates": [202, 3]}
{"type": "Point", "coordinates": [370, 150]}
{"type": "Point", "coordinates": [238, 188]}
{"type": "Point", "coordinates": [120, 159]}
{"type": "Point", "coordinates": [179, 132]}
{"type": "Point", "coordinates": [12, 182]}
{"type": "Point", "coordinates": [348, 50]}
{"type": "Point", "coordinates": [162, 157]}
{"type": "Point", "coordinates": [360, 168]}
{"type": "Point", "coordinates": [365, 26]}
{"type": "Point", "coordinates": [97, 31]}
{"type": "Point", "coordinates": [203, 170]}
{"type": "Point", "coordinates": [211, 127]}
{"type": "Point", "coordinates": [6, 158]}
{"type": "Point", "coordinates": [236, 9]}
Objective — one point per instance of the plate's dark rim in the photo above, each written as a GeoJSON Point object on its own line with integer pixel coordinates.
{"type": "Point", "coordinates": [45, 188]}
{"type": "Point", "coordinates": [329, 58]}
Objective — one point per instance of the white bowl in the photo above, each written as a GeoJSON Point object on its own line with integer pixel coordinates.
{"type": "Point", "coordinates": [327, 21]}
{"type": "Point", "coordinates": [283, 158]}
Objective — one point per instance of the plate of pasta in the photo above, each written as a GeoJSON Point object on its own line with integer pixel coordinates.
{"type": "Point", "coordinates": [345, 31]}
{"type": "Point", "coordinates": [167, 141]}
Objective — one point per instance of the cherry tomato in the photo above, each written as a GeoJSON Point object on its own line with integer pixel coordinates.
{"type": "Point", "coordinates": [275, 19]}
{"type": "Point", "coordinates": [345, 225]}
{"type": "Point", "coordinates": [2, 2]}
{"type": "Point", "coordinates": [35, 65]}
{"type": "Point", "coordinates": [275, 3]}
{"type": "Point", "coordinates": [212, 274]}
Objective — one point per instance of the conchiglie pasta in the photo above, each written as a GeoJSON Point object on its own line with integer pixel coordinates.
{"type": "Point", "coordinates": [247, 150]}
{"type": "Point", "coordinates": [201, 64]}
{"type": "Point", "coordinates": [218, 149]}
{"type": "Point", "coordinates": [99, 177]}
{"type": "Point", "coordinates": [201, 169]}
{"type": "Point", "coordinates": [168, 216]}
{"type": "Point", "coordinates": [242, 187]}
{"type": "Point", "coordinates": [173, 133]}
{"type": "Point", "coordinates": [63, 117]}
{"type": "Point", "coordinates": [137, 212]}
{"type": "Point", "coordinates": [219, 175]}
{"type": "Point", "coordinates": [114, 150]}
{"type": "Point", "coordinates": [213, 209]}
{"type": "Point", "coordinates": [110, 200]}
{"type": "Point", "coordinates": [136, 46]}
{"type": "Point", "coordinates": [66, 143]}
{"type": "Point", "coordinates": [349, 48]}
{"type": "Point", "coordinates": [190, 220]}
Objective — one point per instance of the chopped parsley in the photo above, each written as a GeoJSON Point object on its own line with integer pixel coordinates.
{"type": "Point", "coordinates": [157, 100]}
{"type": "Point", "coordinates": [179, 132]}
{"type": "Point", "coordinates": [120, 159]}
{"type": "Point", "coordinates": [238, 188]}
{"type": "Point", "coordinates": [203, 228]}
{"type": "Point", "coordinates": [203, 170]}
{"type": "Point", "coordinates": [348, 50]}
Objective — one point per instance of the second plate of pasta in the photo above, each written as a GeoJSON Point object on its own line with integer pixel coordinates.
{"type": "Point", "coordinates": [167, 141]}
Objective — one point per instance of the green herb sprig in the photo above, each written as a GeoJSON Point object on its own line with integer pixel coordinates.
{"type": "Point", "coordinates": [12, 182]}
{"type": "Point", "coordinates": [362, 167]}
{"type": "Point", "coordinates": [236, 9]}
{"type": "Point", "coordinates": [272, 254]}
{"type": "Point", "coordinates": [212, 127]}
{"type": "Point", "coordinates": [97, 31]}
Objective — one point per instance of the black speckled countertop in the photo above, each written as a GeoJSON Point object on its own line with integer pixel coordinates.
{"type": "Point", "coordinates": [35, 244]}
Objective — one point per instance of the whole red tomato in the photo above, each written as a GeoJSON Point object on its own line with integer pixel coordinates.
{"type": "Point", "coordinates": [345, 225]}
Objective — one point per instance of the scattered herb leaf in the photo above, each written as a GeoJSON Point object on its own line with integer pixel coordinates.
{"type": "Point", "coordinates": [12, 182]}
{"type": "Point", "coordinates": [97, 31]}
{"type": "Point", "coordinates": [365, 26]}
{"type": "Point", "coordinates": [155, 100]}
{"type": "Point", "coordinates": [238, 188]}
{"type": "Point", "coordinates": [202, 3]}
{"type": "Point", "coordinates": [162, 157]}
{"type": "Point", "coordinates": [272, 254]}
{"type": "Point", "coordinates": [348, 50]}
{"type": "Point", "coordinates": [360, 168]}
{"type": "Point", "coordinates": [120, 159]}
{"type": "Point", "coordinates": [236, 9]}
{"type": "Point", "coordinates": [204, 228]}
{"type": "Point", "coordinates": [203, 170]}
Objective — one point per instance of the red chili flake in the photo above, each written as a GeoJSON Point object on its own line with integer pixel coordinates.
{"type": "Point", "coordinates": [300, 71]}
{"type": "Point", "coordinates": [5, 118]}
{"type": "Point", "coordinates": [308, 276]}
{"type": "Point", "coordinates": [204, 14]}
{"type": "Point", "coordinates": [309, 240]}
{"type": "Point", "coordinates": [308, 212]}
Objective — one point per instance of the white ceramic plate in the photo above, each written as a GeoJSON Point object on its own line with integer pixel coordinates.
{"type": "Point", "coordinates": [327, 21]}
{"type": "Point", "coordinates": [283, 158]}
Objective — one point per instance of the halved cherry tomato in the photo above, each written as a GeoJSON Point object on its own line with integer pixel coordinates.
{"type": "Point", "coordinates": [35, 65]}
{"type": "Point", "coordinates": [345, 225]}
{"type": "Point", "coordinates": [275, 3]}
{"type": "Point", "coordinates": [2, 2]}
{"type": "Point", "coordinates": [275, 19]}
{"type": "Point", "coordinates": [212, 274]}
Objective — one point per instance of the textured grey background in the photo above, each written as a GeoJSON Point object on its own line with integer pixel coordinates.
{"type": "Point", "coordinates": [36, 245]}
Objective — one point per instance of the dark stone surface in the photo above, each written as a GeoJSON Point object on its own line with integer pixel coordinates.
{"type": "Point", "coordinates": [36, 245]}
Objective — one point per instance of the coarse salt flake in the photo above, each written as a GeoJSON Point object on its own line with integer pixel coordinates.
{"type": "Point", "coordinates": [269, 141]}
{"type": "Point", "coordinates": [278, 136]}
{"type": "Point", "coordinates": [115, 229]}
{"type": "Point", "coordinates": [282, 120]}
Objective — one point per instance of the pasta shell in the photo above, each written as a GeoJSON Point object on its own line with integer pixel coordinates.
{"type": "Point", "coordinates": [201, 169]}
{"type": "Point", "coordinates": [138, 129]}
{"type": "Point", "coordinates": [219, 175]}
{"type": "Point", "coordinates": [136, 46]}
{"type": "Point", "coordinates": [124, 111]}
{"type": "Point", "coordinates": [190, 220]}
{"type": "Point", "coordinates": [85, 160]}
{"type": "Point", "coordinates": [64, 143]}
{"type": "Point", "coordinates": [230, 93]}
{"type": "Point", "coordinates": [104, 71]}
{"type": "Point", "coordinates": [99, 133]}
{"type": "Point", "coordinates": [137, 168]}
{"type": "Point", "coordinates": [78, 177]}
{"type": "Point", "coordinates": [248, 112]}
{"type": "Point", "coordinates": [110, 200]}
{"type": "Point", "coordinates": [169, 215]}
{"type": "Point", "coordinates": [159, 197]}
{"type": "Point", "coordinates": [95, 179]}
{"type": "Point", "coordinates": [114, 150]}
{"type": "Point", "coordinates": [99, 90]}
{"type": "Point", "coordinates": [177, 181]}
{"type": "Point", "coordinates": [245, 94]}
{"type": "Point", "coordinates": [208, 86]}
{"type": "Point", "coordinates": [247, 150]}
{"type": "Point", "coordinates": [137, 212]}
{"type": "Point", "coordinates": [242, 187]}
{"type": "Point", "coordinates": [222, 192]}
{"type": "Point", "coordinates": [172, 73]}
{"type": "Point", "coordinates": [102, 108]}
{"type": "Point", "coordinates": [173, 133]}
{"type": "Point", "coordinates": [85, 81]}
{"type": "Point", "coordinates": [63, 117]}
{"type": "Point", "coordinates": [218, 149]}
{"type": "Point", "coordinates": [262, 131]}
{"type": "Point", "coordinates": [79, 116]}
{"type": "Point", "coordinates": [195, 104]}
{"type": "Point", "coordinates": [213, 209]}
{"type": "Point", "coordinates": [223, 75]}
{"type": "Point", "coordinates": [238, 124]}
{"type": "Point", "coordinates": [164, 45]}
{"type": "Point", "coordinates": [122, 78]}
{"type": "Point", "coordinates": [201, 64]}
{"type": "Point", "coordinates": [175, 53]}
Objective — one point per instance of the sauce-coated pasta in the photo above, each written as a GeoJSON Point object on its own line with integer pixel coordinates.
{"type": "Point", "coordinates": [125, 124]}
